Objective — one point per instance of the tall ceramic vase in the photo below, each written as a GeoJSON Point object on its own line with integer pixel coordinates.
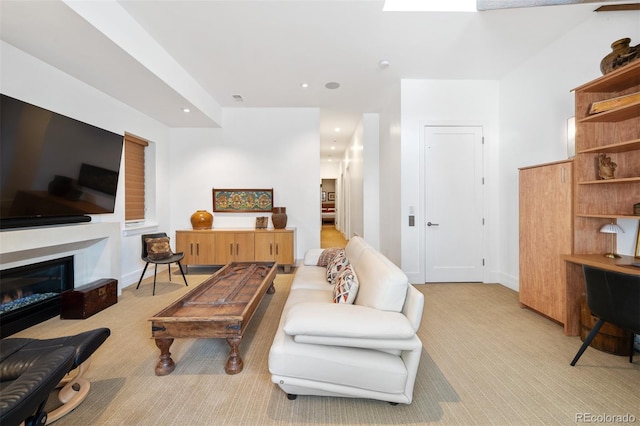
{"type": "Point", "coordinates": [279, 217]}
{"type": "Point", "coordinates": [202, 219]}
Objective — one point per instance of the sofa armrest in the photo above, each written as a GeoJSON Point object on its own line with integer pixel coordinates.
{"type": "Point", "coordinates": [346, 321]}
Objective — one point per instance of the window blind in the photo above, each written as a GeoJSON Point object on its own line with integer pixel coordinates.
{"type": "Point", "coordinates": [134, 177]}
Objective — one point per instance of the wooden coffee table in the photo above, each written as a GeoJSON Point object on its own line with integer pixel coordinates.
{"type": "Point", "coordinates": [220, 307]}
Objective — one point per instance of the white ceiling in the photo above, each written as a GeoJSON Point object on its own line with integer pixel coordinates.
{"type": "Point", "coordinates": [263, 50]}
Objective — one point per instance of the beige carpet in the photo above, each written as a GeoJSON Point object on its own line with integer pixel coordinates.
{"type": "Point", "coordinates": [485, 361]}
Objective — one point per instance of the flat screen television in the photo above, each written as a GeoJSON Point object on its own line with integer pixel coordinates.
{"type": "Point", "coordinates": [54, 169]}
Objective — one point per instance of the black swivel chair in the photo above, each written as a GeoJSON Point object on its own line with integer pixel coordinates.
{"type": "Point", "coordinates": [168, 260]}
{"type": "Point", "coordinates": [612, 297]}
{"type": "Point", "coordinates": [29, 370]}
{"type": "Point", "coordinates": [26, 386]}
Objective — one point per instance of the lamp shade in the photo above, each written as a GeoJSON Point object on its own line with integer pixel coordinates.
{"type": "Point", "coordinates": [611, 228]}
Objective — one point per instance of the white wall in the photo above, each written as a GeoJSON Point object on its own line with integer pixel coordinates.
{"type": "Point", "coordinates": [535, 102]}
{"type": "Point", "coordinates": [371, 179]}
{"type": "Point", "coordinates": [330, 169]}
{"type": "Point", "coordinates": [31, 80]}
{"type": "Point", "coordinates": [444, 103]}
{"type": "Point", "coordinates": [390, 166]}
{"type": "Point", "coordinates": [256, 148]}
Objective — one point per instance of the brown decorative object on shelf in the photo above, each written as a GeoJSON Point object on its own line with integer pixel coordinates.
{"type": "Point", "coordinates": [620, 55]}
{"type": "Point", "coordinates": [279, 217]}
{"type": "Point", "coordinates": [202, 219]}
{"type": "Point", "coordinates": [613, 103]}
{"type": "Point", "coordinates": [606, 167]}
{"type": "Point", "coordinates": [261, 222]}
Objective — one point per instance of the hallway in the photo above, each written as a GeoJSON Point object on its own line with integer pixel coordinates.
{"type": "Point", "coordinates": [331, 237]}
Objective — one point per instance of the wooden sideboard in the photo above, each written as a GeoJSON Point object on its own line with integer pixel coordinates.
{"type": "Point", "coordinates": [221, 246]}
{"type": "Point", "coordinates": [575, 285]}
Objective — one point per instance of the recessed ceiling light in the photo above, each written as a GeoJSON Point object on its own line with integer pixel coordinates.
{"type": "Point", "coordinates": [333, 147]}
{"type": "Point", "coordinates": [337, 129]}
{"type": "Point", "coordinates": [237, 98]}
{"type": "Point", "coordinates": [383, 64]}
{"type": "Point", "coordinates": [304, 85]}
{"type": "Point", "coordinates": [186, 110]}
{"type": "Point", "coordinates": [332, 85]}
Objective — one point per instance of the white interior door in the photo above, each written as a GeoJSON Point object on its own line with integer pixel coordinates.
{"type": "Point", "coordinates": [453, 204]}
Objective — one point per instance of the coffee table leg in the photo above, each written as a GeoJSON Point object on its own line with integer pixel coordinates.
{"type": "Point", "coordinates": [234, 362]}
{"type": "Point", "coordinates": [165, 365]}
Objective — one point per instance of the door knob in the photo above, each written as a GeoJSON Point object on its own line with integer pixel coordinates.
{"type": "Point", "coordinates": [432, 224]}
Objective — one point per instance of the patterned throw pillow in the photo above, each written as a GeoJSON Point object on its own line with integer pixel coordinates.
{"type": "Point", "coordinates": [345, 289]}
{"type": "Point", "coordinates": [336, 265]}
{"type": "Point", "coordinates": [327, 255]}
{"type": "Point", "coordinates": [158, 248]}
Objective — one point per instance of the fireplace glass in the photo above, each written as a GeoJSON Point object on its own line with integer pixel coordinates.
{"type": "Point", "coordinates": [31, 294]}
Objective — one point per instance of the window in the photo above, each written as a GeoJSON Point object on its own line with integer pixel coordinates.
{"type": "Point", "coordinates": [134, 186]}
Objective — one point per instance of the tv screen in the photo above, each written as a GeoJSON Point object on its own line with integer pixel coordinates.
{"type": "Point", "coordinates": [53, 166]}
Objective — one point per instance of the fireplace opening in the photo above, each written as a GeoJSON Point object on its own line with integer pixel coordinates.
{"type": "Point", "coordinates": [30, 294]}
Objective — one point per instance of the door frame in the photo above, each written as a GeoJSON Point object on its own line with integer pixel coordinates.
{"type": "Point", "coordinates": [421, 220]}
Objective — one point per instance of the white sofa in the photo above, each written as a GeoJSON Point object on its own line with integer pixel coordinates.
{"type": "Point", "coordinates": [368, 349]}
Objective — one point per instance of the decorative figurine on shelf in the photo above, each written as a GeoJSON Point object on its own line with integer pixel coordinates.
{"type": "Point", "coordinates": [621, 54]}
{"type": "Point", "coordinates": [606, 167]}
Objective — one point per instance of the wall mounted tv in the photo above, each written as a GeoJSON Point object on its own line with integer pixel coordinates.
{"type": "Point", "coordinates": [54, 169]}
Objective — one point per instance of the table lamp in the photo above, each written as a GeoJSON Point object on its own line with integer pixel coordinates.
{"type": "Point", "coordinates": [613, 229]}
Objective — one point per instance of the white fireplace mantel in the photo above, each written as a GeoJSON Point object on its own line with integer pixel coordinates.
{"type": "Point", "coordinates": [94, 246]}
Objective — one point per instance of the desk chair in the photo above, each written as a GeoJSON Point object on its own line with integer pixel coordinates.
{"type": "Point", "coordinates": [612, 297]}
{"type": "Point", "coordinates": [156, 250]}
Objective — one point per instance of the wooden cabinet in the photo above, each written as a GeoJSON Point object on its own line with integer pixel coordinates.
{"type": "Point", "coordinates": [234, 246]}
{"type": "Point", "coordinates": [221, 246]}
{"type": "Point", "coordinates": [276, 246]}
{"type": "Point", "coordinates": [197, 246]}
{"type": "Point", "coordinates": [545, 234]}
{"type": "Point", "coordinates": [549, 232]}
{"type": "Point", "coordinates": [615, 133]}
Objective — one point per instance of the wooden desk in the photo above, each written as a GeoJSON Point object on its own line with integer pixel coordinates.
{"type": "Point", "coordinates": [575, 287]}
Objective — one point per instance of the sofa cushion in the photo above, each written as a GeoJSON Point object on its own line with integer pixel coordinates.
{"type": "Point", "coordinates": [311, 277]}
{"type": "Point", "coordinates": [382, 284]}
{"type": "Point", "coordinates": [317, 318]}
{"type": "Point", "coordinates": [345, 288]}
{"type": "Point", "coordinates": [354, 249]}
{"type": "Point", "coordinates": [311, 256]}
{"type": "Point", "coordinates": [337, 264]}
{"type": "Point", "coordinates": [328, 255]}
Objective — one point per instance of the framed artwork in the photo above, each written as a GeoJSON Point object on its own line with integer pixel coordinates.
{"type": "Point", "coordinates": [242, 200]}
{"type": "Point", "coordinates": [332, 196]}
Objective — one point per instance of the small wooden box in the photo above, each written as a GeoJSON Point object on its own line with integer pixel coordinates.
{"type": "Point", "coordinates": [87, 300]}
